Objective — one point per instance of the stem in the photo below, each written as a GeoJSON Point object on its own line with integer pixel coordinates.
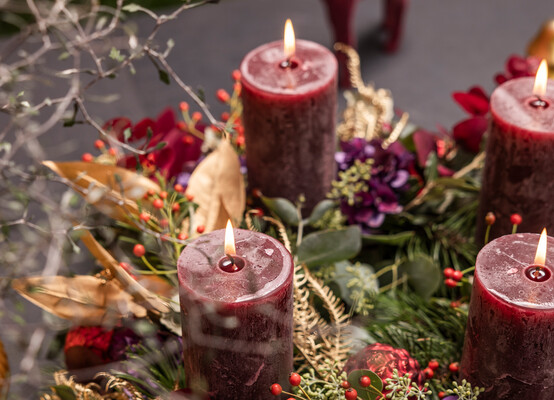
{"type": "Point", "coordinates": [514, 229]}
{"type": "Point", "coordinates": [487, 232]}
{"type": "Point", "coordinates": [147, 263]}
{"type": "Point", "coordinates": [470, 269]}
{"type": "Point", "coordinates": [146, 272]}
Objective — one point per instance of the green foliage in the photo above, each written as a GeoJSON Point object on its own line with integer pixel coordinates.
{"type": "Point", "coordinates": [358, 285]}
{"type": "Point", "coordinates": [424, 276]}
{"type": "Point", "coordinates": [325, 247]}
{"type": "Point", "coordinates": [427, 329]}
{"type": "Point", "coordinates": [465, 391]}
{"type": "Point", "coordinates": [283, 209]}
{"type": "Point", "coordinates": [402, 388]}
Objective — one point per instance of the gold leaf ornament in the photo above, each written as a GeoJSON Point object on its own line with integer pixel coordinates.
{"type": "Point", "coordinates": [83, 299]}
{"type": "Point", "coordinates": [142, 296]}
{"type": "Point", "coordinates": [217, 186]}
{"type": "Point", "coordinates": [112, 190]}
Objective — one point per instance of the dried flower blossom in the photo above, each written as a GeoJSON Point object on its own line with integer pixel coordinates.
{"type": "Point", "coordinates": [370, 180]}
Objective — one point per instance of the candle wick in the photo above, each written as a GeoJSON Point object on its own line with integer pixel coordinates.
{"type": "Point", "coordinates": [539, 103]}
{"type": "Point", "coordinates": [230, 259]}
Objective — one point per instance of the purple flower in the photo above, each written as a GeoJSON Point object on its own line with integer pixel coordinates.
{"type": "Point", "coordinates": [370, 181]}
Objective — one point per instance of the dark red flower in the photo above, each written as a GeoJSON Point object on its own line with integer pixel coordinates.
{"type": "Point", "coordinates": [475, 101]}
{"type": "Point", "coordinates": [170, 160]}
{"type": "Point", "coordinates": [517, 67]}
{"type": "Point", "coordinates": [382, 359]}
{"type": "Point", "coordinates": [469, 132]}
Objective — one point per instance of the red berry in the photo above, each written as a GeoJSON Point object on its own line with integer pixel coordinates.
{"type": "Point", "coordinates": [365, 381]}
{"type": "Point", "coordinates": [158, 203]}
{"type": "Point", "coordinates": [184, 106]}
{"type": "Point", "coordinates": [200, 228]}
{"type": "Point", "coordinates": [345, 384]}
{"type": "Point", "coordinates": [351, 394]}
{"type": "Point", "coordinates": [455, 304]}
{"type": "Point", "coordinates": [515, 219]}
{"type": "Point", "coordinates": [175, 207]}
{"type": "Point", "coordinates": [164, 223]}
{"type": "Point", "coordinates": [182, 236]}
{"type": "Point", "coordinates": [182, 125]}
{"type": "Point", "coordinates": [138, 250]}
{"type": "Point", "coordinates": [196, 116]}
{"type": "Point", "coordinates": [276, 389]}
{"type": "Point", "coordinates": [490, 218]}
{"type": "Point", "coordinates": [144, 217]}
{"type": "Point", "coordinates": [112, 151]}
{"type": "Point", "coordinates": [225, 116]}
{"type": "Point", "coordinates": [236, 75]}
{"type": "Point", "coordinates": [448, 272]}
{"type": "Point", "coordinates": [178, 187]}
{"type": "Point", "coordinates": [441, 395]}
{"type": "Point", "coordinates": [189, 197]}
{"type": "Point", "coordinates": [125, 266]}
{"type": "Point", "coordinates": [99, 144]}
{"type": "Point", "coordinates": [188, 139]}
{"type": "Point", "coordinates": [257, 193]}
{"type": "Point", "coordinates": [454, 367]}
{"type": "Point", "coordinates": [151, 192]}
{"type": "Point", "coordinates": [433, 364]}
{"type": "Point", "coordinates": [87, 157]}
{"type": "Point", "coordinates": [294, 379]}
{"type": "Point", "coordinates": [237, 87]}
{"type": "Point", "coordinates": [451, 283]}
{"type": "Point", "coordinates": [223, 96]}
{"type": "Point", "coordinates": [240, 140]}
{"type": "Point", "coordinates": [428, 372]}
{"type": "Point", "coordinates": [163, 194]}
{"type": "Point", "coordinates": [457, 275]}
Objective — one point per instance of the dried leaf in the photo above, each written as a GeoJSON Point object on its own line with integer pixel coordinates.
{"type": "Point", "coordinates": [218, 188]}
{"type": "Point", "coordinates": [112, 190]}
{"type": "Point", "coordinates": [83, 299]}
{"type": "Point", "coordinates": [142, 296]}
{"type": "Point", "coordinates": [4, 372]}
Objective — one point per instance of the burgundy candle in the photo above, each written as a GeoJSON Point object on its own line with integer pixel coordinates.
{"type": "Point", "coordinates": [289, 120]}
{"type": "Point", "coordinates": [509, 341]}
{"type": "Point", "coordinates": [519, 167]}
{"type": "Point", "coordinates": [236, 315]}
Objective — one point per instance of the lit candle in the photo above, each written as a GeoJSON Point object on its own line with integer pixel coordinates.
{"type": "Point", "coordinates": [236, 302]}
{"type": "Point", "coordinates": [519, 167]}
{"type": "Point", "coordinates": [290, 98]}
{"type": "Point", "coordinates": [509, 341]}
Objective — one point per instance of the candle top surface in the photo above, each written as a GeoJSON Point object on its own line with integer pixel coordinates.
{"type": "Point", "coordinates": [315, 67]}
{"type": "Point", "coordinates": [501, 266]}
{"type": "Point", "coordinates": [268, 266]}
{"type": "Point", "coordinates": [511, 103]}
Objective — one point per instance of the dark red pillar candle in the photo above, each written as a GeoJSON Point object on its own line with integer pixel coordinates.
{"type": "Point", "coordinates": [289, 120]}
{"type": "Point", "coordinates": [519, 167]}
{"type": "Point", "coordinates": [237, 326]}
{"type": "Point", "coordinates": [509, 341]}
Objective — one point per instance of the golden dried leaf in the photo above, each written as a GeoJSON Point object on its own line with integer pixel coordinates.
{"type": "Point", "coordinates": [4, 372]}
{"type": "Point", "coordinates": [83, 299]}
{"type": "Point", "coordinates": [142, 296]}
{"type": "Point", "coordinates": [218, 188]}
{"type": "Point", "coordinates": [112, 190]}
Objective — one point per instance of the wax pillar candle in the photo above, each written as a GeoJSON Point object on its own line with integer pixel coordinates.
{"type": "Point", "coordinates": [236, 317]}
{"type": "Point", "coordinates": [509, 341]}
{"type": "Point", "coordinates": [519, 167]}
{"type": "Point", "coordinates": [289, 120]}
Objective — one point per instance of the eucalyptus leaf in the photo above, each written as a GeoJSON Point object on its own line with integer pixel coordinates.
{"type": "Point", "coordinates": [366, 393]}
{"type": "Point", "coordinates": [431, 167]}
{"type": "Point", "coordinates": [326, 247]}
{"type": "Point", "coordinates": [319, 210]}
{"type": "Point", "coordinates": [283, 208]}
{"type": "Point", "coordinates": [397, 239]}
{"type": "Point", "coordinates": [64, 392]}
{"type": "Point", "coordinates": [424, 276]}
{"type": "Point", "coordinates": [364, 277]}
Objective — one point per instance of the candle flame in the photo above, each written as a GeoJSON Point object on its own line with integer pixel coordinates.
{"type": "Point", "coordinates": [229, 239]}
{"type": "Point", "coordinates": [540, 257]}
{"type": "Point", "coordinates": [539, 89]}
{"type": "Point", "coordinates": [289, 40]}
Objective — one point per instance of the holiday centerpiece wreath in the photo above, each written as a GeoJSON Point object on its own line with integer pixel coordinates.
{"type": "Point", "coordinates": [369, 259]}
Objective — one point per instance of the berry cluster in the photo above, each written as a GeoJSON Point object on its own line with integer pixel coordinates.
{"type": "Point", "coordinates": [433, 366]}
{"type": "Point", "coordinates": [346, 388]}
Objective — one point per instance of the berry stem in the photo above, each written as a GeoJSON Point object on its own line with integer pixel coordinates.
{"type": "Point", "coordinates": [375, 390]}
{"type": "Point", "coordinates": [470, 269]}
{"type": "Point", "coordinates": [147, 263]}
{"type": "Point", "coordinates": [514, 228]}
{"type": "Point", "coordinates": [487, 232]}
{"type": "Point", "coordinates": [295, 395]}
{"type": "Point", "coordinates": [303, 391]}
{"type": "Point", "coordinates": [147, 272]}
